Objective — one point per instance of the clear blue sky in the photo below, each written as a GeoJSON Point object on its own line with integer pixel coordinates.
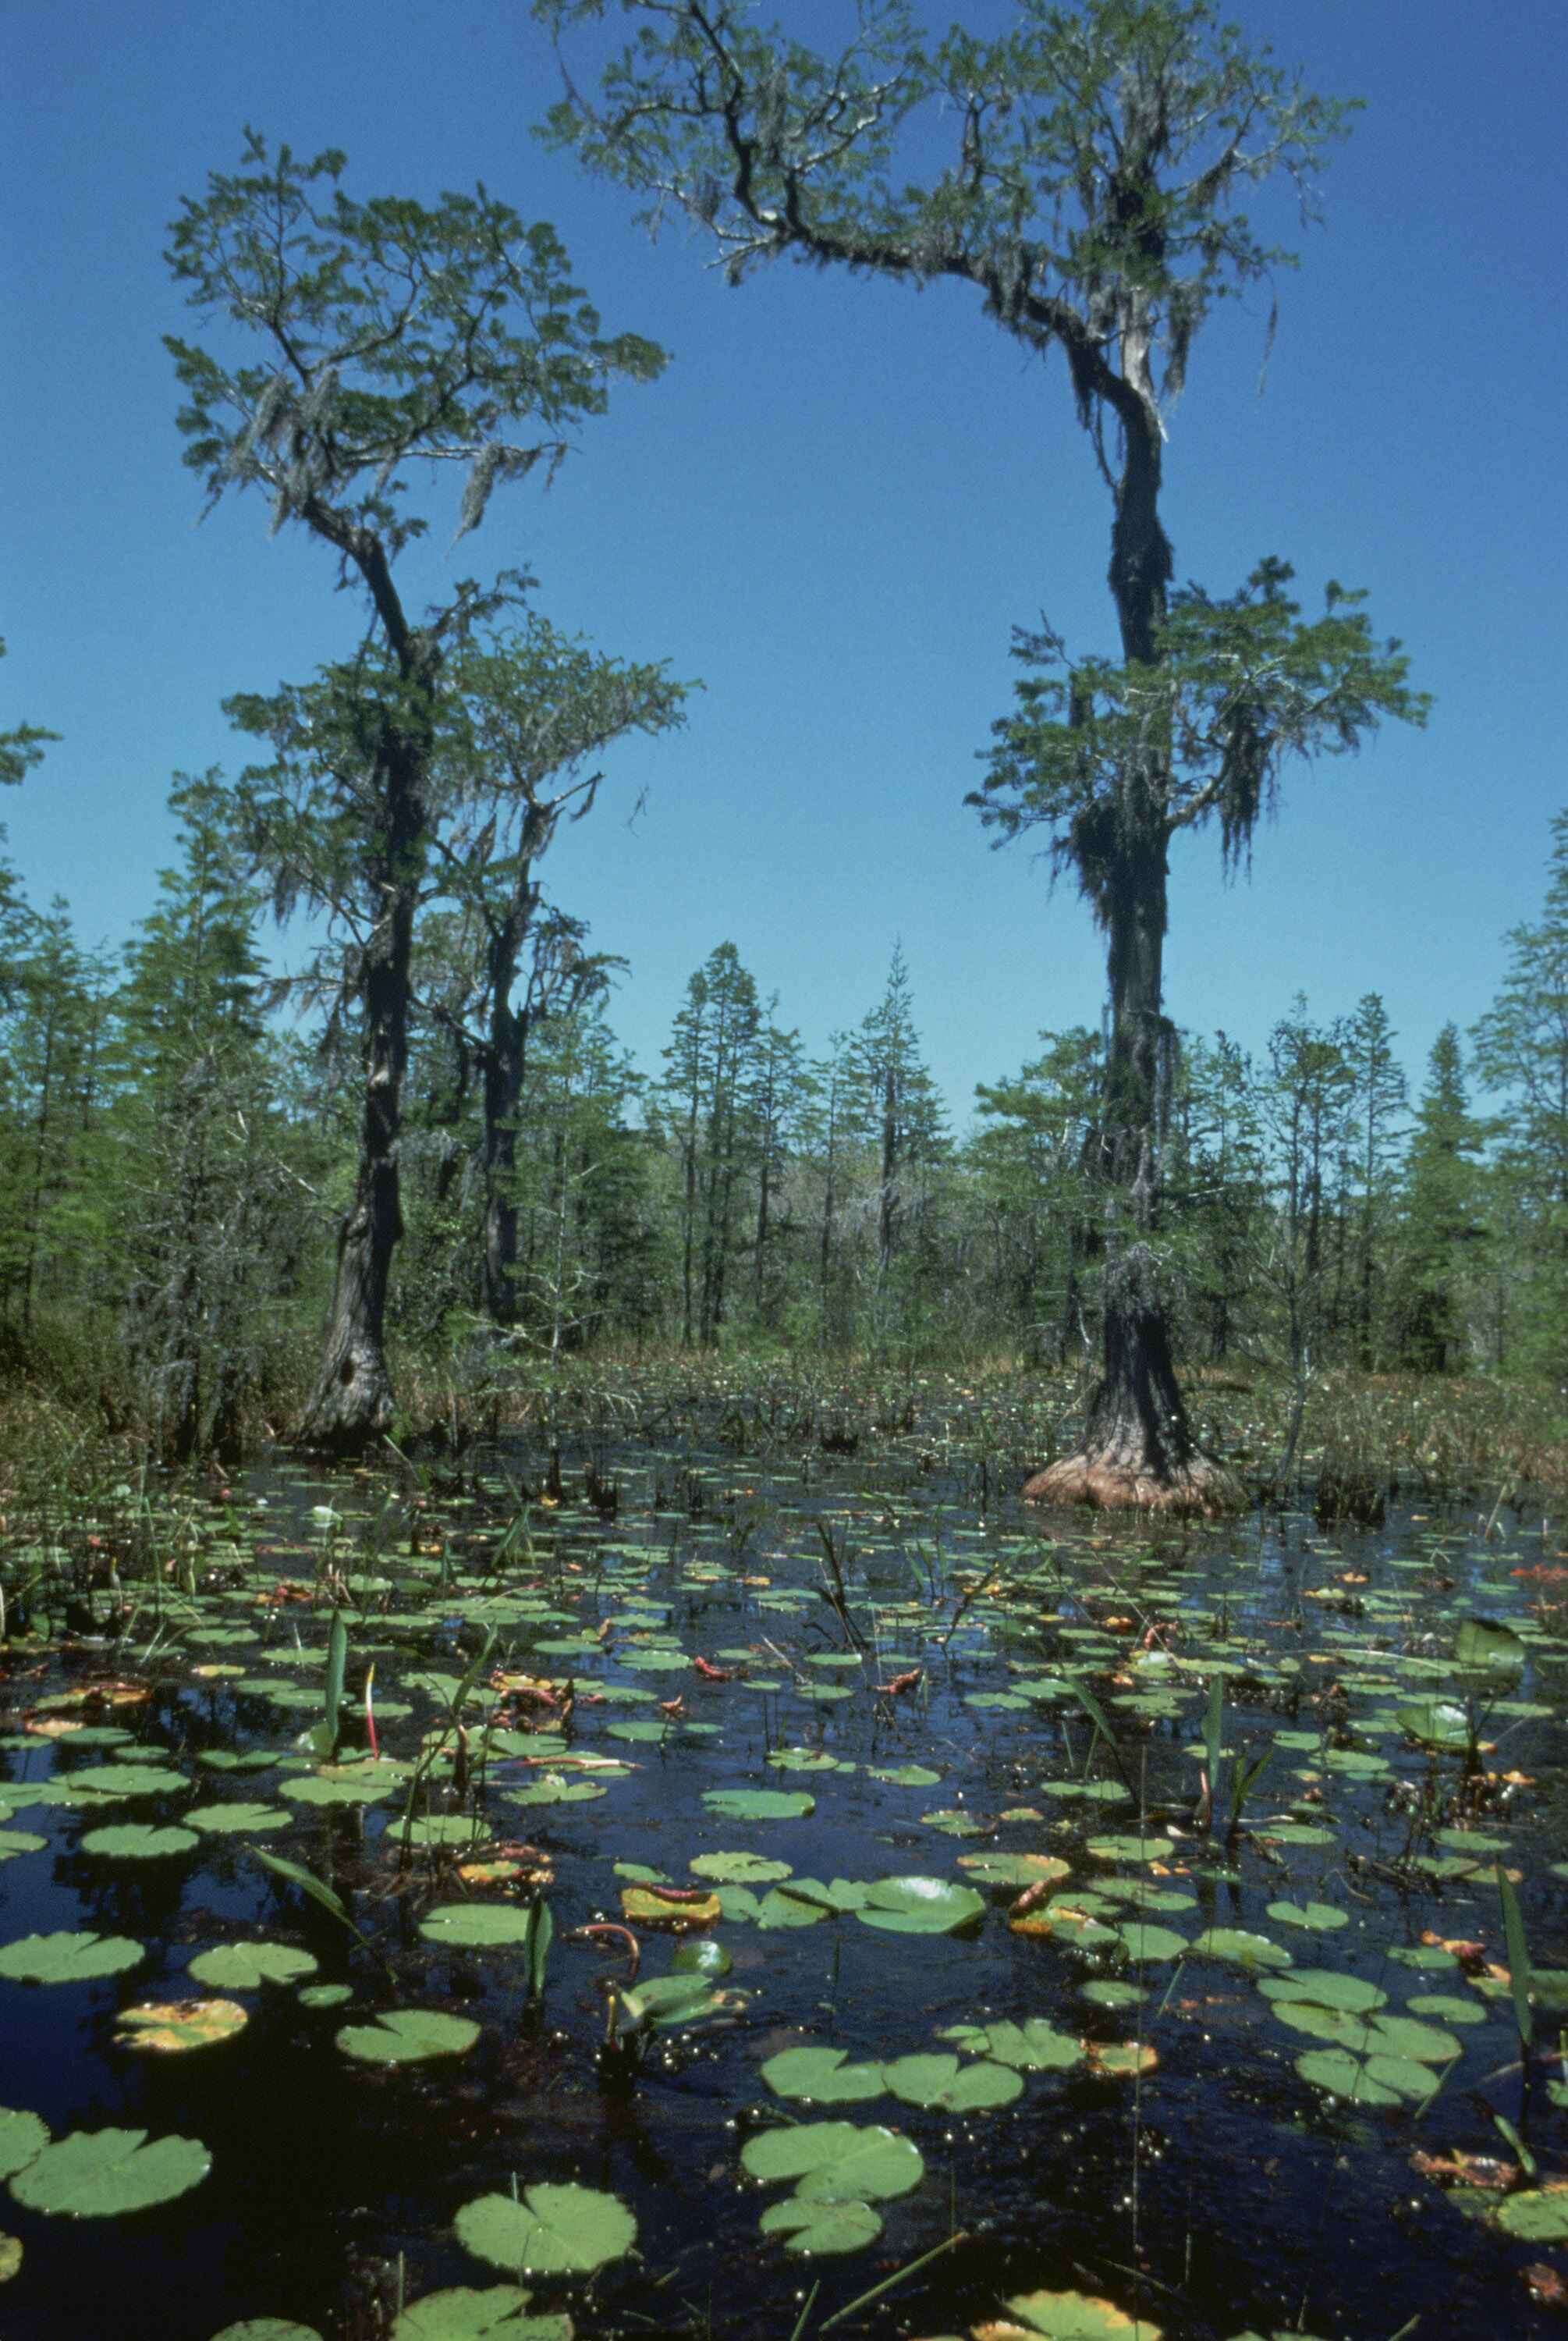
{"type": "Point", "coordinates": [833, 508]}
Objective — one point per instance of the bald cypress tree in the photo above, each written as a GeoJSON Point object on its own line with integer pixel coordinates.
{"type": "Point", "coordinates": [1096, 162]}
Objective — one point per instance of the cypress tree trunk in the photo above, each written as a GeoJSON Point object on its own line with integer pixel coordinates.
{"type": "Point", "coordinates": [353, 1401]}
{"type": "Point", "coordinates": [1137, 1447]}
{"type": "Point", "coordinates": [504, 1064]}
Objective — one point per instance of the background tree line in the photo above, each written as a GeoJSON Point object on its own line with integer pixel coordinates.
{"type": "Point", "coordinates": [173, 1154]}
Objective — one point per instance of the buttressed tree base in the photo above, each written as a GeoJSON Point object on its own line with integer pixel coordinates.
{"type": "Point", "coordinates": [1138, 1453]}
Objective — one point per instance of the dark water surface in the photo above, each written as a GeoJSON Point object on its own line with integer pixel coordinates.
{"type": "Point", "coordinates": [1221, 2190]}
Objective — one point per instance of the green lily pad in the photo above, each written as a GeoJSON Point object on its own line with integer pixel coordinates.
{"type": "Point", "coordinates": [1141, 1941]}
{"type": "Point", "coordinates": [841, 1895]}
{"type": "Point", "coordinates": [15, 1841]}
{"type": "Point", "coordinates": [818, 2230]}
{"type": "Point", "coordinates": [906, 1775]}
{"type": "Point", "coordinates": [1436, 1723]}
{"type": "Point", "coordinates": [245, 1967]}
{"type": "Point", "coordinates": [103, 2173]}
{"type": "Point", "coordinates": [238, 1819]}
{"type": "Point", "coordinates": [1325, 1988]}
{"type": "Point", "coordinates": [325, 1995]}
{"type": "Point", "coordinates": [822, 2077]}
{"type": "Point", "coordinates": [267, 2328]}
{"type": "Point", "coordinates": [1372, 2081]}
{"type": "Point", "coordinates": [1014, 1869]}
{"type": "Point", "coordinates": [359, 1784]}
{"type": "Point", "coordinates": [760, 1804]}
{"type": "Point", "coordinates": [122, 1780]}
{"type": "Point", "coordinates": [475, 1926]}
{"type": "Point", "coordinates": [738, 1868]}
{"type": "Point", "coordinates": [551, 2231]}
{"type": "Point", "coordinates": [1243, 1949]}
{"type": "Point", "coordinates": [704, 1956]}
{"type": "Point", "coordinates": [1034, 2046]}
{"type": "Point", "coordinates": [497, 2312]}
{"type": "Point", "coordinates": [23, 2138]}
{"type": "Point", "coordinates": [138, 1842]}
{"type": "Point", "coordinates": [920, 1906]}
{"type": "Point", "coordinates": [1481, 1646]}
{"type": "Point", "coordinates": [409, 2036]}
{"type": "Point", "coordinates": [942, 2082]}
{"type": "Point", "coordinates": [1078, 2316]}
{"type": "Point", "coordinates": [68, 1958]}
{"type": "Point", "coordinates": [1539, 2215]}
{"type": "Point", "coordinates": [553, 1791]}
{"type": "Point", "coordinates": [836, 2162]}
{"type": "Point", "coordinates": [1317, 1917]}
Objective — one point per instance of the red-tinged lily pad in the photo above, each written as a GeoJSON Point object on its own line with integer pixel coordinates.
{"type": "Point", "coordinates": [169, 2028]}
{"type": "Point", "coordinates": [651, 1906]}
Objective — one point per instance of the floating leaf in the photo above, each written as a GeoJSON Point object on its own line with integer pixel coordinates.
{"type": "Point", "coordinates": [325, 1995]}
{"type": "Point", "coordinates": [1141, 1941]}
{"type": "Point", "coordinates": [245, 1967]}
{"type": "Point", "coordinates": [169, 2028]}
{"type": "Point", "coordinates": [23, 2138]}
{"type": "Point", "coordinates": [836, 2162]}
{"type": "Point", "coordinates": [409, 2036]}
{"type": "Point", "coordinates": [1481, 1646]}
{"type": "Point", "coordinates": [551, 2231]}
{"type": "Point", "coordinates": [138, 1842]}
{"type": "Point", "coordinates": [944, 2083]}
{"type": "Point", "coordinates": [1540, 2215]}
{"type": "Point", "coordinates": [649, 1906]}
{"type": "Point", "coordinates": [68, 1958]}
{"type": "Point", "coordinates": [1325, 1987]}
{"type": "Point", "coordinates": [267, 2328]}
{"type": "Point", "coordinates": [1317, 1917]}
{"type": "Point", "coordinates": [15, 1841]}
{"type": "Point", "coordinates": [1071, 2316]}
{"type": "Point", "coordinates": [475, 1926]}
{"type": "Point", "coordinates": [1436, 1723]}
{"type": "Point", "coordinates": [102, 2174]}
{"type": "Point", "coordinates": [760, 1804]}
{"type": "Point", "coordinates": [920, 1906]}
{"type": "Point", "coordinates": [238, 1819]}
{"type": "Point", "coordinates": [497, 2312]}
{"type": "Point", "coordinates": [1014, 1869]}
{"type": "Point", "coordinates": [822, 2077]}
{"type": "Point", "coordinates": [1238, 1945]}
{"type": "Point", "coordinates": [1376, 2081]}
{"type": "Point", "coordinates": [738, 1868]}
{"type": "Point", "coordinates": [1033, 2046]}
{"type": "Point", "coordinates": [818, 2230]}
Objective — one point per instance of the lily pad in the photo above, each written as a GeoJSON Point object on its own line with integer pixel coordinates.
{"type": "Point", "coordinates": [475, 1926]}
{"type": "Point", "coordinates": [409, 2036]}
{"type": "Point", "coordinates": [68, 1958]}
{"type": "Point", "coordinates": [245, 1967]}
{"type": "Point", "coordinates": [822, 2076]}
{"type": "Point", "coordinates": [1077, 2316]}
{"type": "Point", "coordinates": [818, 2230]}
{"type": "Point", "coordinates": [103, 2173]}
{"type": "Point", "coordinates": [497, 2312]}
{"type": "Point", "coordinates": [760, 1804]}
{"type": "Point", "coordinates": [1325, 1987]}
{"type": "Point", "coordinates": [739, 1868]}
{"type": "Point", "coordinates": [238, 1819]}
{"type": "Point", "coordinates": [836, 2162]}
{"type": "Point", "coordinates": [549, 2231]}
{"type": "Point", "coordinates": [1034, 2046]}
{"type": "Point", "coordinates": [23, 2138]}
{"type": "Point", "coordinates": [920, 1906]}
{"type": "Point", "coordinates": [170, 2027]}
{"type": "Point", "coordinates": [138, 1842]}
{"type": "Point", "coordinates": [1539, 2215]}
{"type": "Point", "coordinates": [944, 2083]}
{"type": "Point", "coordinates": [1242, 1948]}
{"type": "Point", "coordinates": [1317, 1917]}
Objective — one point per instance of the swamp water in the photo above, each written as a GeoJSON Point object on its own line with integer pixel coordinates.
{"type": "Point", "coordinates": [977, 1967]}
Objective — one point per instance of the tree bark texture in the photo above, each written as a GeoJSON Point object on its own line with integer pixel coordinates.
{"type": "Point", "coordinates": [353, 1401]}
{"type": "Point", "coordinates": [1139, 1449]}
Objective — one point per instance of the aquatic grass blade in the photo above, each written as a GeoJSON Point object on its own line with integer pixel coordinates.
{"type": "Point", "coordinates": [1518, 1956]}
